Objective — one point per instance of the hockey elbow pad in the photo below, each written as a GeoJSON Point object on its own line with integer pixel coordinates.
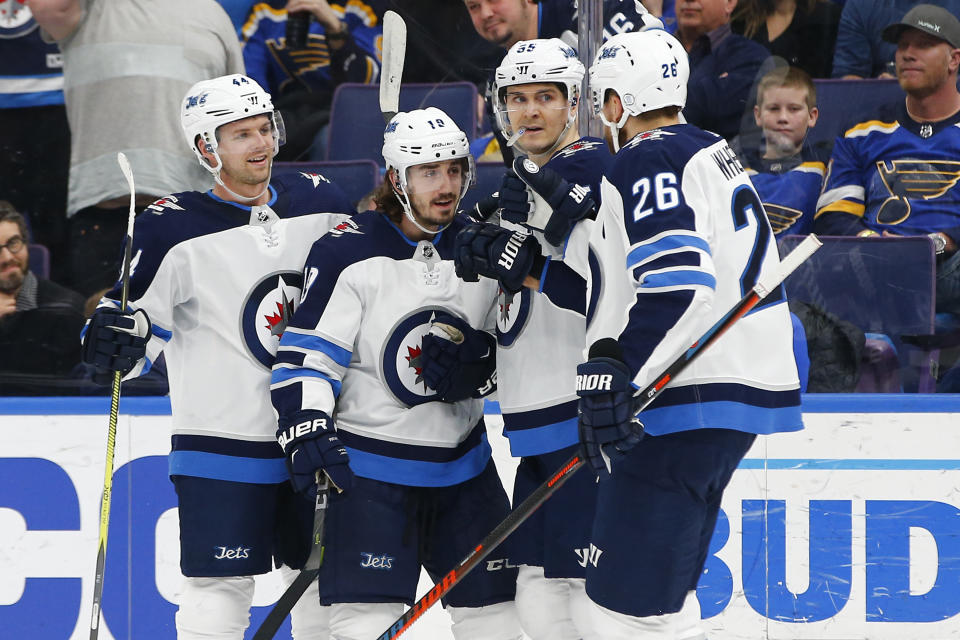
{"type": "Point", "coordinates": [458, 361]}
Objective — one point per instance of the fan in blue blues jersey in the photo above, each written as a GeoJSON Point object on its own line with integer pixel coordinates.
{"type": "Point", "coordinates": [391, 352]}
{"type": "Point", "coordinates": [679, 238]}
{"type": "Point", "coordinates": [787, 174]}
{"type": "Point", "coordinates": [896, 174]}
{"type": "Point", "coordinates": [541, 329]}
{"type": "Point", "coordinates": [342, 45]}
{"type": "Point", "coordinates": [215, 278]}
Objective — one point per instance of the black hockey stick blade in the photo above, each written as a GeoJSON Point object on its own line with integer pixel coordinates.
{"type": "Point", "coordinates": [270, 625]}
{"type": "Point", "coordinates": [766, 284]}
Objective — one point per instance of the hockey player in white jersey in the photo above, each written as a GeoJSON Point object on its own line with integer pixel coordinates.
{"type": "Point", "coordinates": [215, 278]}
{"type": "Point", "coordinates": [541, 327]}
{"type": "Point", "coordinates": [679, 238]}
{"type": "Point", "coordinates": [383, 312]}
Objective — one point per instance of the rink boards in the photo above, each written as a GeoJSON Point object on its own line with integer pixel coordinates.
{"type": "Point", "coordinates": [847, 530]}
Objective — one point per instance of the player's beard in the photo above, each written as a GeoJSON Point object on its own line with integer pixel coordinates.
{"type": "Point", "coordinates": [12, 280]}
{"type": "Point", "coordinates": [428, 218]}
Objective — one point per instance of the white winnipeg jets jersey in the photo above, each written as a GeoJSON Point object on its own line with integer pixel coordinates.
{"type": "Point", "coordinates": [680, 238]}
{"type": "Point", "coordinates": [540, 334]}
{"type": "Point", "coordinates": [220, 281]}
{"type": "Point", "coordinates": [353, 350]}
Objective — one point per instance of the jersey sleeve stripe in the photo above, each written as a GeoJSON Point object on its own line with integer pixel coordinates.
{"type": "Point", "coordinates": [294, 340]}
{"type": "Point", "coordinates": [665, 244]}
{"type": "Point", "coordinates": [282, 376]}
{"type": "Point", "coordinates": [677, 278]}
{"type": "Point", "coordinates": [845, 206]}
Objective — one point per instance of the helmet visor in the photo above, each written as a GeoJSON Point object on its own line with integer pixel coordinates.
{"type": "Point", "coordinates": [440, 179]}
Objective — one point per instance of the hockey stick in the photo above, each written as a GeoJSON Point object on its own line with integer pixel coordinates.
{"type": "Point", "coordinates": [391, 69]}
{"type": "Point", "coordinates": [519, 514]}
{"type": "Point", "coordinates": [114, 413]}
{"type": "Point", "coordinates": [309, 572]}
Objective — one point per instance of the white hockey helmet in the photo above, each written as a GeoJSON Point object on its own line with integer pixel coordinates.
{"type": "Point", "coordinates": [210, 104]}
{"type": "Point", "coordinates": [648, 70]}
{"type": "Point", "coordinates": [530, 61]}
{"type": "Point", "coordinates": [422, 136]}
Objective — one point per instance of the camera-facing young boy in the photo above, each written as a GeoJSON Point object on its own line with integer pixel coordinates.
{"type": "Point", "coordinates": [787, 173]}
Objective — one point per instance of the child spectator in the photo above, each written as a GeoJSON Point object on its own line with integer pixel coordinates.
{"type": "Point", "coordinates": [786, 172]}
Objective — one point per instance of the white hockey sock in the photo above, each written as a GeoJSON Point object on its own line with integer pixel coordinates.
{"type": "Point", "coordinates": [688, 619]}
{"type": "Point", "coordinates": [493, 622]}
{"type": "Point", "coordinates": [214, 608]}
{"type": "Point", "coordinates": [544, 605]}
{"type": "Point", "coordinates": [362, 621]}
{"type": "Point", "coordinates": [606, 624]}
{"type": "Point", "coordinates": [308, 620]}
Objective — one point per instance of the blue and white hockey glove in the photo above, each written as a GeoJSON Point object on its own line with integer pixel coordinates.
{"type": "Point", "coordinates": [486, 207]}
{"type": "Point", "coordinates": [115, 341]}
{"type": "Point", "coordinates": [311, 444]}
{"type": "Point", "coordinates": [565, 204]}
{"type": "Point", "coordinates": [498, 253]}
{"type": "Point", "coordinates": [607, 425]}
{"type": "Point", "coordinates": [458, 361]}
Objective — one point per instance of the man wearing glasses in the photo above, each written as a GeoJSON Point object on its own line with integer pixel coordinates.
{"type": "Point", "coordinates": [35, 313]}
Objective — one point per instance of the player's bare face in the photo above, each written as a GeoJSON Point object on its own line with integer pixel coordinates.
{"type": "Point", "coordinates": [541, 109]}
{"type": "Point", "coordinates": [784, 117]}
{"type": "Point", "coordinates": [502, 22]}
{"type": "Point", "coordinates": [246, 151]}
{"type": "Point", "coordinates": [923, 62]}
{"type": "Point", "coordinates": [13, 257]}
{"type": "Point", "coordinates": [434, 191]}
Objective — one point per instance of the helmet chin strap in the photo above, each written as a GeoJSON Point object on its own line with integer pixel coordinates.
{"type": "Point", "coordinates": [237, 196]}
{"type": "Point", "coordinates": [404, 200]}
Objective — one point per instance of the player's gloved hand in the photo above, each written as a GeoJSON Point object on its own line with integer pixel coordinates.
{"type": "Point", "coordinates": [607, 425]}
{"type": "Point", "coordinates": [457, 360]}
{"type": "Point", "coordinates": [516, 201]}
{"type": "Point", "coordinates": [115, 341]}
{"type": "Point", "coordinates": [502, 254]}
{"type": "Point", "coordinates": [649, 20]}
{"type": "Point", "coordinates": [567, 203]}
{"type": "Point", "coordinates": [311, 444]}
{"type": "Point", "coordinates": [486, 207]}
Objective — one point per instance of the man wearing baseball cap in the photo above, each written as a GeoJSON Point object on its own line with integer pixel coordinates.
{"type": "Point", "coordinates": [896, 173]}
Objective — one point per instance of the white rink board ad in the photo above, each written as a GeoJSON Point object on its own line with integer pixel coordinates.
{"type": "Point", "coordinates": [848, 530]}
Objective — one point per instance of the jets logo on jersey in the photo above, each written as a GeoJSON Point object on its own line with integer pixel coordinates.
{"type": "Point", "coordinates": [347, 226]}
{"type": "Point", "coordinates": [400, 358]}
{"type": "Point", "coordinates": [161, 205]}
{"type": "Point", "coordinates": [913, 179]}
{"type": "Point", "coordinates": [266, 312]}
{"type": "Point", "coordinates": [648, 136]}
{"type": "Point", "coordinates": [582, 145]}
{"type": "Point", "coordinates": [513, 311]}
{"type": "Point", "coordinates": [781, 217]}
{"type": "Point", "coordinates": [315, 178]}
{"type": "Point", "coordinates": [16, 20]}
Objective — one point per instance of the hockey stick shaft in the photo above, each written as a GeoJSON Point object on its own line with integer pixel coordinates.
{"type": "Point", "coordinates": [290, 597]}
{"type": "Point", "coordinates": [114, 415]}
{"type": "Point", "coordinates": [519, 514]}
{"type": "Point", "coordinates": [391, 70]}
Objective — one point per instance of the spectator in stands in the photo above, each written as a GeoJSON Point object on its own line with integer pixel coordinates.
{"type": "Point", "coordinates": [39, 319]}
{"type": "Point", "coordinates": [896, 174]}
{"type": "Point", "coordinates": [802, 32]}
{"type": "Point", "coordinates": [342, 45]}
{"type": "Point", "coordinates": [861, 52]}
{"type": "Point", "coordinates": [34, 138]}
{"type": "Point", "coordinates": [787, 173]}
{"type": "Point", "coordinates": [126, 67]}
{"type": "Point", "coordinates": [723, 65]}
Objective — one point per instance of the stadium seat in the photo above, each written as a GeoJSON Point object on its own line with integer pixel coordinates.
{"type": "Point", "coordinates": [883, 286]}
{"type": "Point", "coordinates": [842, 103]}
{"type": "Point", "coordinates": [356, 124]}
{"type": "Point", "coordinates": [357, 178]}
{"type": "Point", "coordinates": [489, 176]}
{"type": "Point", "coordinates": [39, 260]}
